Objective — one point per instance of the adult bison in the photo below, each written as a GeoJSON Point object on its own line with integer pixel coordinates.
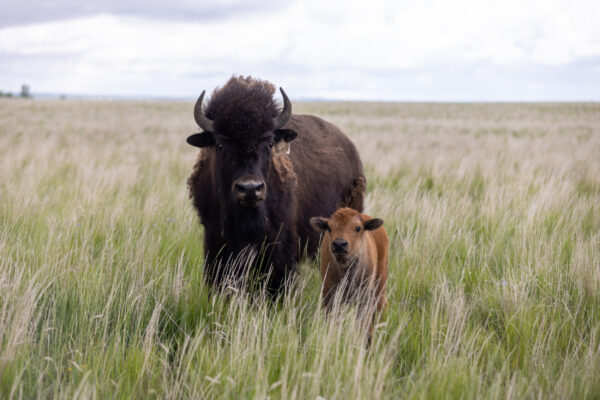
{"type": "Point", "coordinates": [260, 176]}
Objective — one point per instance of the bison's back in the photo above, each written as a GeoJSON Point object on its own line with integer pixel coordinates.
{"type": "Point", "coordinates": [329, 173]}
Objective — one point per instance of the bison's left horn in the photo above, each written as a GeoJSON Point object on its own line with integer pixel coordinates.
{"type": "Point", "coordinates": [199, 116]}
{"type": "Point", "coordinates": [282, 118]}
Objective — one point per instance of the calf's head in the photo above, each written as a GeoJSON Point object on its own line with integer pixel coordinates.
{"type": "Point", "coordinates": [243, 128]}
{"type": "Point", "coordinates": [346, 229]}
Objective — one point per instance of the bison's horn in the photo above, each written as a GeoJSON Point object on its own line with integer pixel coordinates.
{"type": "Point", "coordinates": [282, 118]}
{"type": "Point", "coordinates": [199, 116]}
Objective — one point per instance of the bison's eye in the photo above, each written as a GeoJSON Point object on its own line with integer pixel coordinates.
{"type": "Point", "coordinates": [271, 144]}
{"type": "Point", "coordinates": [357, 229]}
{"type": "Point", "coordinates": [219, 146]}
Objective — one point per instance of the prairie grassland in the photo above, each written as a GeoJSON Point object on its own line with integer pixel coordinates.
{"type": "Point", "coordinates": [493, 212]}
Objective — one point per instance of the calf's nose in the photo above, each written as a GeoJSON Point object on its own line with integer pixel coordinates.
{"type": "Point", "coordinates": [340, 245]}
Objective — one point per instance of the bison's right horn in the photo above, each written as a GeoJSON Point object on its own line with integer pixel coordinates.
{"type": "Point", "coordinates": [286, 113]}
{"type": "Point", "coordinates": [199, 116]}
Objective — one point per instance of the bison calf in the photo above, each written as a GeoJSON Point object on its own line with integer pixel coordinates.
{"type": "Point", "coordinates": [354, 260]}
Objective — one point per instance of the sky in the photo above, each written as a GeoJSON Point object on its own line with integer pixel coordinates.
{"type": "Point", "coordinates": [391, 50]}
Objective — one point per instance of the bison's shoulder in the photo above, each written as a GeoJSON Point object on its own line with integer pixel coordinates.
{"type": "Point", "coordinates": [198, 172]}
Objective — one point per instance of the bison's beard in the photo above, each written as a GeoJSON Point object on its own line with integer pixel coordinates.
{"type": "Point", "coordinates": [244, 226]}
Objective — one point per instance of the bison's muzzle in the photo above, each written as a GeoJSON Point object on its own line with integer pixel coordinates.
{"type": "Point", "coordinates": [339, 246]}
{"type": "Point", "coordinates": [249, 192]}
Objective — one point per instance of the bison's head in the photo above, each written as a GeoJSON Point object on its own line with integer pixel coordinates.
{"type": "Point", "coordinates": [346, 229]}
{"type": "Point", "coordinates": [244, 129]}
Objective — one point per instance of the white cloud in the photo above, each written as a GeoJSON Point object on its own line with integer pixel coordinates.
{"type": "Point", "coordinates": [340, 49]}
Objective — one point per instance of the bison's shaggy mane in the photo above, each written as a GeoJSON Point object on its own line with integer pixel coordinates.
{"type": "Point", "coordinates": [243, 108]}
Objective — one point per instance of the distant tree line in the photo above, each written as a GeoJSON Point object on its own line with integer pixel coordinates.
{"type": "Point", "coordinates": [25, 93]}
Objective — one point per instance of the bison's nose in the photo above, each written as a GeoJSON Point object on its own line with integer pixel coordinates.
{"type": "Point", "coordinates": [249, 191]}
{"type": "Point", "coordinates": [249, 187]}
{"type": "Point", "coordinates": [340, 246]}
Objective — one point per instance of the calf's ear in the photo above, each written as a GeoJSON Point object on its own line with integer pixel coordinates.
{"type": "Point", "coordinates": [320, 224]}
{"type": "Point", "coordinates": [203, 139]}
{"type": "Point", "coordinates": [373, 224]}
{"type": "Point", "coordinates": [286, 135]}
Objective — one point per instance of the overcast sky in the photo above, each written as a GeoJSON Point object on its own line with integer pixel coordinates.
{"type": "Point", "coordinates": [442, 50]}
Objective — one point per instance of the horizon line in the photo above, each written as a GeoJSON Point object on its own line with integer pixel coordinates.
{"type": "Point", "coordinates": [127, 97]}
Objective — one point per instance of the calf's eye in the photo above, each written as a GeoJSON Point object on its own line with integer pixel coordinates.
{"type": "Point", "coordinates": [357, 229]}
{"type": "Point", "coordinates": [219, 147]}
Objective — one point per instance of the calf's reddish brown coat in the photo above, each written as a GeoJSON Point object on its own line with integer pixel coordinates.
{"type": "Point", "coordinates": [354, 250]}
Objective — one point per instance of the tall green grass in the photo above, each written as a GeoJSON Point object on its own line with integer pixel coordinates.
{"type": "Point", "coordinates": [493, 213]}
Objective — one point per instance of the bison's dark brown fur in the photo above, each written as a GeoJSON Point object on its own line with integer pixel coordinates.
{"type": "Point", "coordinates": [321, 173]}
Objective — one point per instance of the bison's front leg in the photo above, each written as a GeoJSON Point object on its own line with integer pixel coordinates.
{"type": "Point", "coordinates": [283, 263]}
{"type": "Point", "coordinates": [214, 254]}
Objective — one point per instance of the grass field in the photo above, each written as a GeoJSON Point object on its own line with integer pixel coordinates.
{"type": "Point", "coordinates": [493, 212]}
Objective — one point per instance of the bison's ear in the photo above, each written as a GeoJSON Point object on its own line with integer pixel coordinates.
{"type": "Point", "coordinates": [285, 134]}
{"type": "Point", "coordinates": [320, 224]}
{"type": "Point", "coordinates": [373, 224]}
{"type": "Point", "coordinates": [203, 139]}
